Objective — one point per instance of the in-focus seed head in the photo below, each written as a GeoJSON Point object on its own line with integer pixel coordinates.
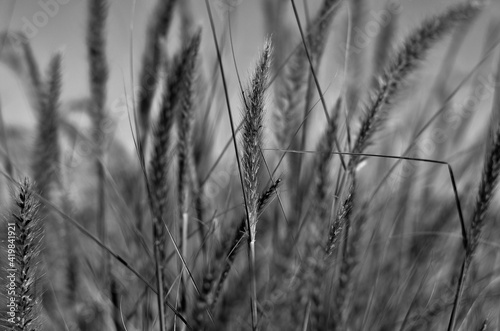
{"type": "Point", "coordinates": [28, 235]}
{"type": "Point", "coordinates": [252, 131]}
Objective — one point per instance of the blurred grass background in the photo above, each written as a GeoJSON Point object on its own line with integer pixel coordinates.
{"type": "Point", "coordinates": [66, 30]}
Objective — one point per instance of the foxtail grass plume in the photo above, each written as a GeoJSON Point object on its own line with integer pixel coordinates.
{"type": "Point", "coordinates": [28, 233]}
{"type": "Point", "coordinates": [251, 141]}
{"type": "Point", "coordinates": [174, 91]}
{"type": "Point", "coordinates": [403, 63]}
{"type": "Point", "coordinates": [185, 123]}
{"type": "Point", "coordinates": [292, 88]}
{"type": "Point", "coordinates": [487, 186]}
{"type": "Point", "coordinates": [159, 26]}
{"type": "Point", "coordinates": [322, 166]}
{"type": "Point", "coordinates": [252, 129]}
{"type": "Point", "coordinates": [96, 48]}
{"type": "Point", "coordinates": [46, 157]}
{"type": "Point", "coordinates": [185, 150]}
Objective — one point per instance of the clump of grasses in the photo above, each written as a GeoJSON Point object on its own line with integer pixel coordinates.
{"type": "Point", "coordinates": [177, 89]}
{"type": "Point", "coordinates": [325, 255]}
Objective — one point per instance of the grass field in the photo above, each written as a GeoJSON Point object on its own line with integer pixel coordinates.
{"type": "Point", "coordinates": [348, 183]}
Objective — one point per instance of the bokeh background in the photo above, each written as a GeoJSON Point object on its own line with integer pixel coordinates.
{"type": "Point", "coordinates": [66, 30]}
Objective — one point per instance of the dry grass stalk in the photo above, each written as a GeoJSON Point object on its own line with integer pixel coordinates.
{"type": "Point", "coordinates": [328, 247]}
{"type": "Point", "coordinates": [489, 181]}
